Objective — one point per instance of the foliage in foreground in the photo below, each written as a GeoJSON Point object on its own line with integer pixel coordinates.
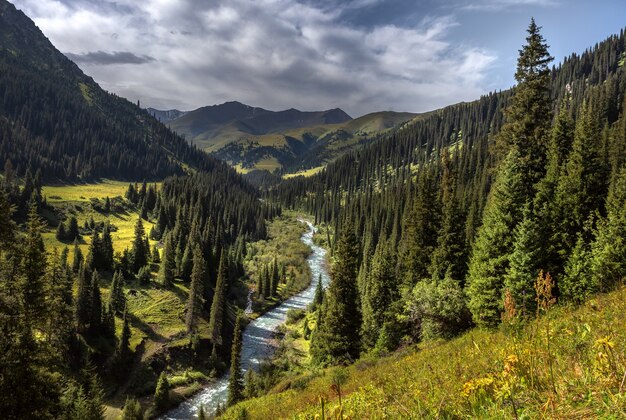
{"type": "Point", "coordinates": [569, 363]}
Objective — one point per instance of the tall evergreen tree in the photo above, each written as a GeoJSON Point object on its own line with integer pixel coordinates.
{"type": "Point", "coordinates": [83, 301]}
{"type": "Point", "coordinates": [608, 264]}
{"type": "Point", "coordinates": [139, 252]}
{"type": "Point", "coordinates": [34, 269]}
{"type": "Point", "coordinates": [377, 295]}
{"type": "Point", "coordinates": [235, 382]}
{"type": "Point", "coordinates": [529, 116]}
{"type": "Point", "coordinates": [162, 393]}
{"type": "Point", "coordinates": [337, 339]}
{"type": "Point", "coordinates": [524, 264]}
{"type": "Point", "coordinates": [95, 316]}
{"type": "Point", "coordinates": [494, 243]}
{"type": "Point", "coordinates": [195, 301]}
{"type": "Point", "coordinates": [218, 306]}
{"type": "Point", "coordinates": [168, 263]}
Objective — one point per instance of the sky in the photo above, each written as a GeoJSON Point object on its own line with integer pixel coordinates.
{"type": "Point", "coordinates": [358, 55]}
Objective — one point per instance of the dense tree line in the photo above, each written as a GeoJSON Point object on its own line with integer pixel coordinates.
{"type": "Point", "coordinates": [473, 202]}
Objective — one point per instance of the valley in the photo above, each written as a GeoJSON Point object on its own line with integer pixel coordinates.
{"type": "Point", "coordinates": [237, 262]}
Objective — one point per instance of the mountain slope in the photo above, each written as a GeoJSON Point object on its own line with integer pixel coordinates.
{"type": "Point", "coordinates": [309, 147]}
{"type": "Point", "coordinates": [212, 127]}
{"type": "Point", "coordinates": [55, 118]}
{"type": "Point", "coordinates": [167, 115]}
{"type": "Point", "coordinates": [482, 374]}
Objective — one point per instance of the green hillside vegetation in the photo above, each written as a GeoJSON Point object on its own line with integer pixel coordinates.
{"type": "Point", "coordinates": [298, 150]}
{"type": "Point", "coordinates": [569, 363]}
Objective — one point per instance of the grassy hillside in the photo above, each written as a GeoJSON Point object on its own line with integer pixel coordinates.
{"type": "Point", "coordinates": [571, 363]}
{"type": "Point", "coordinates": [300, 149]}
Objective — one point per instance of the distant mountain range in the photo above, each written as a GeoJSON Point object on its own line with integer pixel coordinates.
{"type": "Point", "coordinates": [290, 140]}
{"type": "Point", "coordinates": [165, 116]}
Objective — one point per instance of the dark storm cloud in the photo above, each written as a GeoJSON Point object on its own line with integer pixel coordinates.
{"type": "Point", "coordinates": [272, 53]}
{"type": "Point", "coordinates": [103, 58]}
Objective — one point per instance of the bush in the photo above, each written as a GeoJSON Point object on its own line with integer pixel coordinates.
{"type": "Point", "coordinates": [295, 315]}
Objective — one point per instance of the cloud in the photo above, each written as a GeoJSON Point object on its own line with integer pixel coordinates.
{"type": "Point", "coordinates": [104, 58]}
{"type": "Point", "coordinates": [276, 54]}
{"type": "Point", "coordinates": [498, 5]}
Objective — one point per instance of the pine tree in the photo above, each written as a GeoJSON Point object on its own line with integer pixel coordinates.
{"type": "Point", "coordinates": [123, 351]}
{"type": "Point", "coordinates": [77, 259]}
{"type": "Point", "coordinates": [83, 301]}
{"type": "Point", "coordinates": [71, 231]}
{"type": "Point", "coordinates": [95, 316]}
{"type": "Point", "coordinates": [450, 253]}
{"type": "Point", "coordinates": [139, 252]}
{"type": "Point", "coordinates": [186, 263]}
{"type": "Point", "coordinates": [378, 294]}
{"type": "Point", "coordinates": [168, 263]}
{"type": "Point", "coordinates": [107, 248]}
{"type": "Point", "coordinates": [156, 258]}
{"type": "Point", "coordinates": [319, 294]}
{"type": "Point", "coordinates": [578, 281]}
{"type": "Point", "coordinates": [524, 264]}
{"type": "Point", "coordinates": [337, 339]}
{"type": "Point", "coordinates": [275, 277]}
{"type": "Point", "coordinates": [132, 410]}
{"type": "Point", "coordinates": [117, 300]}
{"type": "Point", "coordinates": [419, 235]}
{"type": "Point", "coordinates": [582, 184]}
{"type": "Point", "coordinates": [494, 243]}
{"type": "Point", "coordinates": [218, 306]}
{"type": "Point", "coordinates": [162, 393]}
{"type": "Point", "coordinates": [195, 301]}
{"type": "Point", "coordinates": [608, 263]}
{"type": "Point", "coordinates": [529, 116]}
{"type": "Point", "coordinates": [60, 233]}
{"type": "Point", "coordinates": [34, 269]}
{"type": "Point", "coordinates": [235, 382]}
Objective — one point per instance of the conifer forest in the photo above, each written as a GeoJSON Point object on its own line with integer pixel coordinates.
{"type": "Point", "coordinates": [466, 260]}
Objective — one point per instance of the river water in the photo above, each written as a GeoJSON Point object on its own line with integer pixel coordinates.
{"type": "Point", "coordinates": [257, 337]}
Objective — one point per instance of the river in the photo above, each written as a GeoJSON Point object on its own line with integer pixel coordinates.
{"type": "Point", "coordinates": [257, 337]}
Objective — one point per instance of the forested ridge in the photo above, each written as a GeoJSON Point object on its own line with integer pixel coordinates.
{"type": "Point", "coordinates": [457, 216]}
{"type": "Point", "coordinates": [55, 119]}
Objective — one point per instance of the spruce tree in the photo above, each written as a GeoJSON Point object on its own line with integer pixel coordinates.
{"type": "Point", "coordinates": [77, 258]}
{"type": "Point", "coordinates": [195, 301]}
{"type": "Point", "coordinates": [162, 393]}
{"type": "Point", "coordinates": [123, 348]}
{"type": "Point", "coordinates": [524, 264]}
{"type": "Point", "coordinates": [34, 269]}
{"type": "Point", "coordinates": [218, 306]}
{"type": "Point", "coordinates": [235, 382]}
{"type": "Point", "coordinates": [139, 252]}
{"type": "Point", "coordinates": [319, 294]}
{"type": "Point", "coordinates": [608, 264]}
{"type": "Point", "coordinates": [168, 263]}
{"type": "Point", "coordinates": [378, 294]}
{"type": "Point", "coordinates": [71, 231]}
{"type": "Point", "coordinates": [95, 315]}
{"type": "Point", "coordinates": [494, 243]}
{"type": "Point", "coordinates": [83, 301]}
{"type": "Point", "coordinates": [337, 339]}
{"type": "Point", "coordinates": [107, 248]}
{"type": "Point", "coordinates": [529, 116]}
{"type": "Point", "coordinates": [578, 281]}
{"type": "Point", "coordinates": [132, 410]}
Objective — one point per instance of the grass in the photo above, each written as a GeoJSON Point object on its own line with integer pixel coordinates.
{"type": "Point", "coordinates": [307, 173]}
{"type": "Point", "coordinates": [75, 200]}
{"type": "Point", "coordinates": [570, 363]}
{"type": "Point", "coordinates": [284, 244]}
